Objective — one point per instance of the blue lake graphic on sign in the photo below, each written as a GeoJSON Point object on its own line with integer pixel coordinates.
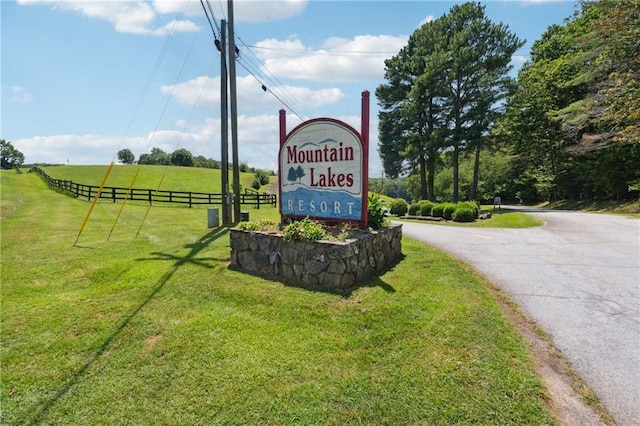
{"type": "Point", "coordinates": [325, 204]}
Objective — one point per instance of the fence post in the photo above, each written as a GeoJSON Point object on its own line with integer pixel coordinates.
{"type": "Point", "coordinates": [189, 199]}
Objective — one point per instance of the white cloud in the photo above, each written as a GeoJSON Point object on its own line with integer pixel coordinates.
{"type": "Point", "coordinates": [243, 11]}
{"type": "Point", "coordinates": [428, 18]}
{"type": "Point", "coordinates": [17, 94]}
{"type": "Point", "coordinates": [339, 60]}
{"type": "Point", "coordinates": [206, 91]}
{"type": "Point", "coordinates": [134, 17]}
{"type": "Point", "coordinates": [258, 143]}
{"type": "Point", "coordinates": [141, 17]}
{"type": "Point", "coordinates": [519, 59]}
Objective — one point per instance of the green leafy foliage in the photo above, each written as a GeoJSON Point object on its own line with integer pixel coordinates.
{"type": "Point", "coordinates": [470, 205]}
{"type": "Point", "coordinates": [443, 92]}
{"type": "Point", "coordinates": [425, 207]}
{"type": "Point", "coordinates": [438, 210]}
{"type": "Point", "coordinates": [463, 214]}
{"type": "Point", "coordinates": [258, 225]}
{"type": "Point", "coordinates": [304, 230]}
{"type": "Point", "coordinates": [448, 210]}
{"type": "Point", "coordinates": [376, 212]}
{"type": "Point", "coordinates": [182, 157]}
{"type": "Point", "coordinates": [398, 207]}
{"type": "Point", "coordinates": [573, 122]}
{"type": "Point", "coordinates": [125, 156]}
{"type": "Point", "coordinates": [10, 157]}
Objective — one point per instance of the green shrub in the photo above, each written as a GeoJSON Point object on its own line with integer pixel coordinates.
{"type": "Point", "coordinates": [398, 207]}
{"type": "Point", "coordinates": [463, 214]}
{"type": "Point", "coordinates": [449, 209]}
{"type": "Point", "coordinates": [376, 212]}
{"type": "Point", "coordinates": [304, 230]}
{"type": "Point", "coordinates": [256, 184]}
{"type": "Point", "coordinates": [257, 225]}
{"type": "Point", "coordinates": [414, 209]}
{"type": "Point", "coordinates": [425, 207]}
{"type": "Point", "coordinates": [438, 210]}
{"type": "Point", "coordinates": [471, 205]}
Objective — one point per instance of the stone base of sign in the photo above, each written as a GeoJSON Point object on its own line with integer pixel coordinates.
{"type": "Point", "coordinates": [333, 265]}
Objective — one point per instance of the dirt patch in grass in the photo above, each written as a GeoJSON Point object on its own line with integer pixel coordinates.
{"type": "Point", "coordinates": [568, 394]}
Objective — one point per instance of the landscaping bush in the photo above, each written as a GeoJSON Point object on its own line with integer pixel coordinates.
{"type": "Point", "coordinates": [398, 207]}
{"type": "Point", "coordinates": [448, 210]}
{"type": "Point", "coordinates": [414, 209]}
{"type": "Point", "coordinates": [425, 207]}
{"type": "Point", "coordinates": [463, 214]}
{"type": "Point", "coordinates": [471, 205]}
{"type": "Point", "coordinates": [438, 210]}
{"type": "Point", "coordinates": [257, 225]}
{"type": "Point", "coordinates": [304, 230]}
{"type": "Point", "coordinates": [376, 212]}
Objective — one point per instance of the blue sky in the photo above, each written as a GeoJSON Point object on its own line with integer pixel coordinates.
{"type": "Point", "coordinates": [83, 79]}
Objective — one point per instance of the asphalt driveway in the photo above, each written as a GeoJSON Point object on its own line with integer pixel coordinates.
{"type": "Point", "coordinates": [578, 277]}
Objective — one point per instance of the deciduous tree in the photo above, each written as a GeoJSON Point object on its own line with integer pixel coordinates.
{"type": "Point", "coordinates": [10, 157]}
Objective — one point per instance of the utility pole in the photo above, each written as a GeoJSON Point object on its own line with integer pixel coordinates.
{"type": "Point", "coordinates": [224, 126]}
{"type": "Point", "coordinates": [234, 115]}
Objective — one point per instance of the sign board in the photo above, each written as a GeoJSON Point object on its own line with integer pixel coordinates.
{"type": "Point", "coordinates": [323, 170]}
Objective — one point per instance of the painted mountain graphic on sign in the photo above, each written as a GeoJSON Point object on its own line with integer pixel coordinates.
{"type": "Point", "coordinates": [327, 140]}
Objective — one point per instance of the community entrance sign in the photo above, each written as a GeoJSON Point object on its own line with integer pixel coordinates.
{"type": "Point", "coordinates": [323, 169]}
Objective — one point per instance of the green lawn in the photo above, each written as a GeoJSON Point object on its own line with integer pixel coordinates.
{"type": "Point", "coordinates": [158, 330]}
{"type": "Point", "coordinates": [503, 218]}
{"type": "Point", "coordinates": [147, 176]}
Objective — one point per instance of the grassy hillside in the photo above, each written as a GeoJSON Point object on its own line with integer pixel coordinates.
{"type": "Point", "coordinates": [158, 330]}
{"type": "Point", "coordinates": [169, 178]}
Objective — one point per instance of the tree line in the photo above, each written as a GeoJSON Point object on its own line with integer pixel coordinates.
{"type": "Point", "coordinates": [179, 157]}
{"type": "Point", "coordinates": [183, 157]}
{"type": "Point", "coordinates": [453, 124]}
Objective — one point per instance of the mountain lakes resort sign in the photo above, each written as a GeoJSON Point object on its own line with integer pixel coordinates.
{"type": "Point", "coordinates": [323, 169]}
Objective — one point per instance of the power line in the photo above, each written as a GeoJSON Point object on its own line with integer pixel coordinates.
{"type": "Point", "coordinates": [215, 35]}
{"type": "Point", "coordinates": [213, 16]}
{"type": "Point", "coordinates": [266, 89]}
{"type": "Point", "coordinates": [274, 81]}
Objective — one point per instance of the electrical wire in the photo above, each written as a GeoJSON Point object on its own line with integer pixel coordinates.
{"type": "Point", "coordinates": [266, 89]}
{"type": "Point", "coordinates": [164, 110]}
{"type": "Point", "coordinates": [273, 80]}
{"type": "Point", "coordinates": [184, 129]}
{"type": "Point", "coordinates": [215, 35]}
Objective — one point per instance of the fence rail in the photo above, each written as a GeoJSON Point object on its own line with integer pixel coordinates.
{"type": "Point", "coordinates": [88, 192]}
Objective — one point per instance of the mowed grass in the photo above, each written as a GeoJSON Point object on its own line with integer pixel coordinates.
{"type": "Point", "coordinates": [165, 178]}
{"type": "Point", "coordinates": [502, 218]}
{"type": "Point", "coordinates": [158, 330]}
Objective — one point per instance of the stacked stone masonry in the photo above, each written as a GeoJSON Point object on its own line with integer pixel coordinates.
{"type": "Point", "coordinates": [337, 265]}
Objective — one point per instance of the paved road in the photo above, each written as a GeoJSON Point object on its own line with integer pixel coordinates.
{"type": "Point", "coordinates": [578, 277]}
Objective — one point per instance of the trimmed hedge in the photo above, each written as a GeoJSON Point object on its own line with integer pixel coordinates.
{"type": "Point", "coordinates": [449, 209]}
{"type": "Point", "coordinates": [471, 205]}
{"type": "Point", "coordinates": [464, 214]}
{"type": "Point", "coordinates": [438, 210]}
{"type": "Point", "coordinates": [425, 207]}
{"type": "Point", "coordinates": [398, 207]}
{"type": "Point", "coordinates": [414, 209]}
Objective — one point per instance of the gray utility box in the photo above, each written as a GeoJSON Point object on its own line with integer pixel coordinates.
{"type": "Point", "coordinates": [213, 218]}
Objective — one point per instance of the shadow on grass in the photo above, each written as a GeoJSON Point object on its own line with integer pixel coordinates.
{"type": "Point", "coordinates": [190, 257]}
